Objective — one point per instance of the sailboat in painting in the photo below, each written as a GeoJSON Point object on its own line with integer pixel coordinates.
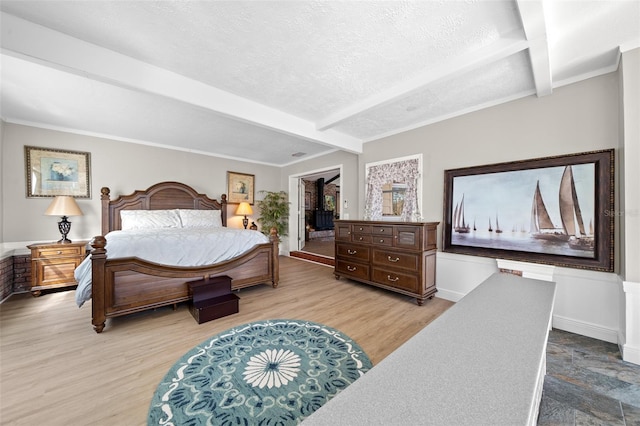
{"type": "Point", "coordinates": [498, 229]}
{"type": "Point", "coordinates": [571, 215]}
{"type": "Point", "coordinates": [459, 224]}
{"type": "Point", "coordinates": [541, 225]}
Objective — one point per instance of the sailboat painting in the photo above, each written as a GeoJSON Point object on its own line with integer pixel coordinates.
{"type": "Point", "coordinates": [555, 210]}
{"type": "Point", "coordinates": [554, 201]}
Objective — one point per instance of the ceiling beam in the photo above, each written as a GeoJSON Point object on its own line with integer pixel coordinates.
{"type": "Point", "coordinates": [328, 181]}
{"type": "Point", "coordinates": [50, 48]}
{"type": "Point", "coordinates": [535, 29]}
{"type": "Point", "coordinates": [506, 46]}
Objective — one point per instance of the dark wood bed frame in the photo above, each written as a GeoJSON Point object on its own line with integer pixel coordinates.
{"type": "Point", "coordinates": [126, 285]}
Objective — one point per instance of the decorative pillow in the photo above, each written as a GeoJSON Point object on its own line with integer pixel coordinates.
{"type": "Point", "coordinates": [200, 218]}
{"type": "Point", "coordinates": [149, 219]}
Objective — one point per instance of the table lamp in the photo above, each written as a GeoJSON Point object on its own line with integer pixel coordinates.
{"type": "Point", "coordinates": [244, 209]}
{"type": "Point", "coordinates": [63, 205]}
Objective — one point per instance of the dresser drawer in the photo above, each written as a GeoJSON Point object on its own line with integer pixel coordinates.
{"type": "Point", "coordinates": [352, 252]}
{"type": "Point", "coordinates": [361, 229]}
{"type": "Point", "coordinates": [382, 240]}
{"type": "Point", "coordinates": [352, 269]}
{"type": "Point", "coordinates": [392, 278]}
{"type": "Point", "coordinates": [379, 230]}
{"type": "Point", "coordinates": [361, 238]}
{"type": "Point", "coordinates": [57, 251]}
{"type": "Point", "coordinates": [386, 259]}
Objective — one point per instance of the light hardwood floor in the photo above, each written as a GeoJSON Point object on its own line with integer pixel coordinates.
{"type": "Point", "coordinates": [55, 370]}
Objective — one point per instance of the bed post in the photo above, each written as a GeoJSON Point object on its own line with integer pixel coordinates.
{"type": "Point", "coordinates": [223, 209]}
{"type": "Point", "coordinates": [106, 226]}
{"type": "Point", "coordinates": [98, 260]}
{"type": "Point", "coordinates": [274, 238]}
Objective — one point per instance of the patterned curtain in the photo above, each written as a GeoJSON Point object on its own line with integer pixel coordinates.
{"type": "Point", "coordinates": [400, 171]}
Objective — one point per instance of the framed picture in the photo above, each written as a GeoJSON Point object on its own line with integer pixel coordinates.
{"type": "Point", "coordinates": [329, 202]}
{"type": "Point", "coordinates": [307, 201]}
{"type": "Point", "coordinates": [240, 187]}
{"type": "Point", "coordinates": [51, 172]}
{"type": "Point", "coordinates": [554, 210]}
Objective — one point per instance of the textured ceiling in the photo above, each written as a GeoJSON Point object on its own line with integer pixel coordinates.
{"type": "Point", "coordinates": [263, 80]}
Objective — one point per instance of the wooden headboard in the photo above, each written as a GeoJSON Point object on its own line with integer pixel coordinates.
{"type": "Point", "coordinates": [161, 196]}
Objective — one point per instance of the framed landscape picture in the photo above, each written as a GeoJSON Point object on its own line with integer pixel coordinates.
{"type": "Point", "coordinates": [240, 187]}
{"type": "Point", "coordinates": [554, 210]}
{"type": "Point", "coordinates": [51, 172]}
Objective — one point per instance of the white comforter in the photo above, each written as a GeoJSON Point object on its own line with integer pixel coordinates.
{"type": "Point", "coordinates": [171, 246]}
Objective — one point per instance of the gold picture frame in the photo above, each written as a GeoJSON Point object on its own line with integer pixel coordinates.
{"type": "Point", "coordinates": [240, 187]}
{"type": "Point", "coordinates": [51, 172]}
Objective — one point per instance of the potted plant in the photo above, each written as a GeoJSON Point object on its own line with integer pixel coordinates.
{"type": "Point", "coordinates": [274, 212]}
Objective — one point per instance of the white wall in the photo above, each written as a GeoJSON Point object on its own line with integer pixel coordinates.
{"type": "Point", "coordinates": [577, 118]}
{"type": "Point", "coordinates": [2, 171]}
{"type": "Point", "coordinates": [629, 213]}
{"type": "Point", "coordinates": [123, 167]}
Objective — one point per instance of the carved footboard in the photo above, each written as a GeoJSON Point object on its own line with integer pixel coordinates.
{"type": "Point", "coordinates": [126, 285]}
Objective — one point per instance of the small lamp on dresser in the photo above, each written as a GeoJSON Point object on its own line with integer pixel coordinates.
{"type": "Point", "coordinates": [63, 205]}
{"type": "Point", "coordinates": [244, 209]}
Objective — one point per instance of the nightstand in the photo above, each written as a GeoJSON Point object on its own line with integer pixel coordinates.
{"type": "Point", "coordinates": [52, 265]}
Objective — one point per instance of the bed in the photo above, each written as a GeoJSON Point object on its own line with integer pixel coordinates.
{"type": "Point", "coordinates": [124, 285]}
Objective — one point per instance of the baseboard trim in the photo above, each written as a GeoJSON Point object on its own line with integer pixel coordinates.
{"type": "Point", "coordinates": [452, 296]}
{"type": "Point", "coordinates": [585, 329]}
{"type": "Point", "coordinates": [631, 354]}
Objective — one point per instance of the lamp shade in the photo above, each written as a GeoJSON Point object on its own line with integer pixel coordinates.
{"type": "Point", "coordinates": [244, 209]}
{"type": "Point", "coordinates": [63, 205]}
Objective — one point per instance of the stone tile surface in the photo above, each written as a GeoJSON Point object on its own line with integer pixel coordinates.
{"type": "Point", "coordinates": [631, 415]}
{"type": "Point", "coordinates": [587, 383]}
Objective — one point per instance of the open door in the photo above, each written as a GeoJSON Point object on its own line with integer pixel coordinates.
{"type": "Point", "coordinates": [301, 215]}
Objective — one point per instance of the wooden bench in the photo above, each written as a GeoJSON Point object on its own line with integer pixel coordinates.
{"type": "Point", "coordinates": [480, 363]}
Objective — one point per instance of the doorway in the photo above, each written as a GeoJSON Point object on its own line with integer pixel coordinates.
{"type": "Point", "coordinates": [311, 220]}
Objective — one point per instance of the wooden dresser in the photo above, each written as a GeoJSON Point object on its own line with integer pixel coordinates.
{"type": "Point", "coordinates": [53, 264]}
{"type": "Point", "coordinates": [397, 256]}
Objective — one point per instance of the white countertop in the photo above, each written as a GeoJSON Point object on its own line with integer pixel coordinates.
{"type": "Point", "coordinates": [477, 364]}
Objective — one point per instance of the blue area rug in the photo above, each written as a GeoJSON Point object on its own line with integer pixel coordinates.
{"type": "Point", "coordinates": [272, 372]}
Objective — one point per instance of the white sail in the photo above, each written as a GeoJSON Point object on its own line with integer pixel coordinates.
{"type": "Point", "coordinates": [540, 218]}
{"type": "Point", "coordinates": [541, 225]}
{"type": "Point", "coordinates": [570, 213]}
{"type": "Point", "coordinates": [456, 223]}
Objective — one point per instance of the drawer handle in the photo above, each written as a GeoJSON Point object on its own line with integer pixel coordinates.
{"type": "Point", "coordinates": [360, 239]}
{"type": "Point", "coordinates": [351, 268]}
{"type": "Point", "coordinates": [59, 252]}
{"type": "Point", "coordinates": [360, 228]}
{"type": "Point", "coordinates": [382, 230]}
{"type": "Point", "coordinates": [393, 280]}
{"type": "Point", "coordinates": [392, 260]}
{"type": "Point", "coordinates": [352, 251]}
{"type": "Point", "coordinates": [382, 240]}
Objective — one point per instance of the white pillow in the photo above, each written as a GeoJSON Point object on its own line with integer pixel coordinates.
{"type": "Point", "coordinates": [149, 219]}
{"type": "Point", "coordinates": [200, 218]}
